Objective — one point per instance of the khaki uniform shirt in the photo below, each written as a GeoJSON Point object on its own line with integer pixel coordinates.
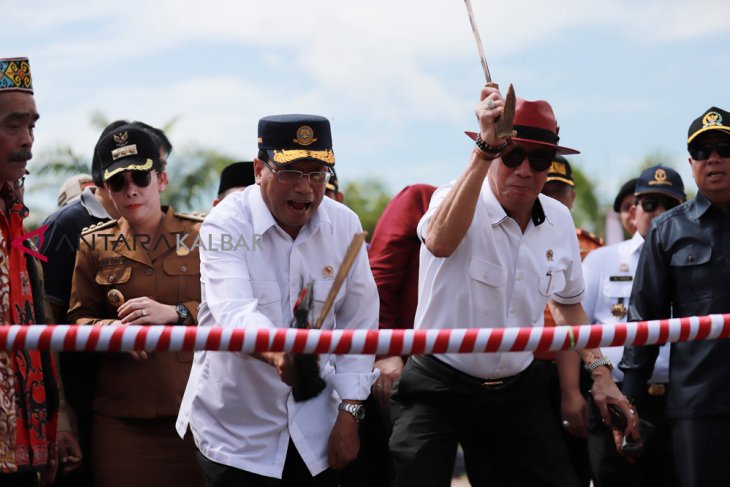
{"type": "Point", "coordinates": [111, 257]}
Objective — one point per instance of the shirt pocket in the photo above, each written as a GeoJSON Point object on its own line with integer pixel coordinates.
{"type": "Point", "coordinates": [113, 275]}
{"type": "Point", "coordinates": [486, 284]}
{"type": "Point", "coordinates": [615, 290]}
{"type": "Point", "coordinates": [692, 272]}
{"type": "Point", "coordinates": [551, 283]}
{"type": "Point", "coordinates": [268, 295]}
{"type": "Point", "coordinates": [181, 280]}
{"type": "Point", "coordinates": [322, 288]}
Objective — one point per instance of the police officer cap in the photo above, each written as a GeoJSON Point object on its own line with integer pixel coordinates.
{"type": "Point", "coordinates": [128, 148]}
{"type": "Point", "coordinates": [713, 119]}
{"type": "Point", "coordinates": [292, 138]}
{"type": "Point", "coordinates": [660, 179]}
{"type": "Point", "coordinates": [236, 175]}
{"type": "Point", "coordinates": [560, 171]}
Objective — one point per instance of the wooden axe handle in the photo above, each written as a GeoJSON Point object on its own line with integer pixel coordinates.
{"type": "Point", "coordinates": [352, 250]}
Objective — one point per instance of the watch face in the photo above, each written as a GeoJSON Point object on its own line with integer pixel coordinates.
{"type": "Point", "coordinates": [182, 311]}
{"type": "Point", "coordinates": [360, 413]}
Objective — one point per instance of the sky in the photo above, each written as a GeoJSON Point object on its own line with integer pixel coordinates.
{"type": "Point", "coordinates": [398, 79]}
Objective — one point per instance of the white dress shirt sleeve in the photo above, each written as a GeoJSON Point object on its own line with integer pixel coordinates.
{"type": "Point", "coordinates": [227, 292]}
{"type": "Point", "coordinates": [438, 197]}
{"type": "Point", "coordinates": [354, 374]}
{"type": "Point", "coordinates": [592, 277]}
{"type": "Point", "coordinates": [572, 292]}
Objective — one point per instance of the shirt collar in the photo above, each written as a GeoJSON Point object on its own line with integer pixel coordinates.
{"type": "Point", "coordinates": [702, 205]}
{"type": "Point", "coordinates": [92, 205]}
{"type": "Point", "coordinates": [497, 213]}
{"type": "Point", "coordinates": [636, 242]}
{"type": "Point", "coordinates": [262, 218]}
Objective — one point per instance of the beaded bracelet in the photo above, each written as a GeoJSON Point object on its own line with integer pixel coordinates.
{"type": "Point", "coordinates": [484, 156]}
{"type": "Point", "coordinates": [490, 149]}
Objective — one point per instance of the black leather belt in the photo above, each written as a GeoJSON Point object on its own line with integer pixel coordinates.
{"type": "Point", "coordinates": [450, 374]}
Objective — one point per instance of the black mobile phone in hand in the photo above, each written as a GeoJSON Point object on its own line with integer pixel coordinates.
{"type": "Point", "coordinates": [629, 447]}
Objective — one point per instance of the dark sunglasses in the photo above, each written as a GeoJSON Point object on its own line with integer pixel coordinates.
{"type": "Point", "coordinates": [118, 182]}
{"type": "Point", "coordinates": [540, 159]}
{"type": "Point", "coordinates": [702, 152]}
{"type": "Point", "coordinates": [651, 203]}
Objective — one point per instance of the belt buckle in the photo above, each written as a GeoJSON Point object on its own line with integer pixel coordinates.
{"type": "Point", "coordinates": [657, 389]}
{"type": "Point", "coordinates": [493, 383]}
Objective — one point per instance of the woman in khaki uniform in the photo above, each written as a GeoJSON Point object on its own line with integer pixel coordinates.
{"type": "Point", "coordinates": [138, 270]}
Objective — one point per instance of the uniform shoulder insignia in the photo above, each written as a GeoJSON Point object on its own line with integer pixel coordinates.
{"type": "Point", "coordinates": [589, 236]}
{"type": "Point", "coordinates": [196, 216]}
{"type": "Point", "coordinates": [98, 226]}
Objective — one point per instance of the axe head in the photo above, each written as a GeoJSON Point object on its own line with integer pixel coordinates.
{"type": "Point", "coordinates": [504, 122]}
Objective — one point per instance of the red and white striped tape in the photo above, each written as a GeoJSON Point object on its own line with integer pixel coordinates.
{"type": "Point", "coordinates": [381, 342]}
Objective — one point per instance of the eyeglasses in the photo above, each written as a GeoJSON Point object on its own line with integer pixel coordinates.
{"type": "Point", "coordinates": [651, 203]}
{"type": "Point", "coordinates": [540, 159]}
{"type": "Point", "coordinates": [316, 178]}
{"type": "Point", "coordinates": [702, 152]}
{"type": "Point", "coordinates": [118, 182]}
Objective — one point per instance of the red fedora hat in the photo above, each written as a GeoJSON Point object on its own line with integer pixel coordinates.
{"type": "Point", "coordinates": [535, 123]}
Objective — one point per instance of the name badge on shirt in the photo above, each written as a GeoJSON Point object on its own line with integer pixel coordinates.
{"type": "Point", "coordinates": [620, 278]}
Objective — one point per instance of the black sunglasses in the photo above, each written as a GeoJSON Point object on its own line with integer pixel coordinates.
{"type": "Point", "coordinates": [651, 203]}
{"type": "Point", "coordinates": [702, 152]}
{"type": "Point", "coordinates": [540, 159]}
{"type": "Point", "coordinates": [118, 182]}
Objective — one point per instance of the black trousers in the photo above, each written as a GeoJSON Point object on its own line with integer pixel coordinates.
{"type": "Point", "coordinates": [373, 466]}
{"type": "Point", "coordinates": [296, 474]}
{"type": "Point", "coordinates": [25, 479]}
{"type": "Point", "coordinates": [655, 466]}
{"type": "Point", "coordinates": [702, 451]}
{"type": "Point", "coordinates": [577, 447]}
{"type": "Point", "coordinates": [507, 432]}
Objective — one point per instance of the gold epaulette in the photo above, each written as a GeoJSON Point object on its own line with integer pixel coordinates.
{"type": "Point", "coordinates": [98, 226]}
{"type": "Point", "coordinates": [196, 216]}
{"type": "Point", "coordinates": [589, 236]}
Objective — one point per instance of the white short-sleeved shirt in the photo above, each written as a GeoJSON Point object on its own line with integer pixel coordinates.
{"type": "Point", "coordinates": [240, 412]}
{"type": "Point", "coordinates": [499, 277]}
{"type": "Point", "coordinates": [609, 274]}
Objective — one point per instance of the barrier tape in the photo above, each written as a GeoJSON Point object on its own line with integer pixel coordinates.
{"type": "Point", "coordinates": [380, 342]}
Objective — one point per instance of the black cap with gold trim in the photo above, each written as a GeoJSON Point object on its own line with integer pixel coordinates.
{"type": "Point", "coordinates": [661, 179]}
{"type": "Point", "coordinates": [560, 171]}
{"type": "Point", "coordinates": [128, 148]}
{"type": "Point", "coordinates": [292, 138]}
{"type": "Point", "coordinates": [713, 119]}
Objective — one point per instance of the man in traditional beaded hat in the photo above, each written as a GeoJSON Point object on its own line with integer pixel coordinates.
{"type": "Point", "coordinates": [28, 427]}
